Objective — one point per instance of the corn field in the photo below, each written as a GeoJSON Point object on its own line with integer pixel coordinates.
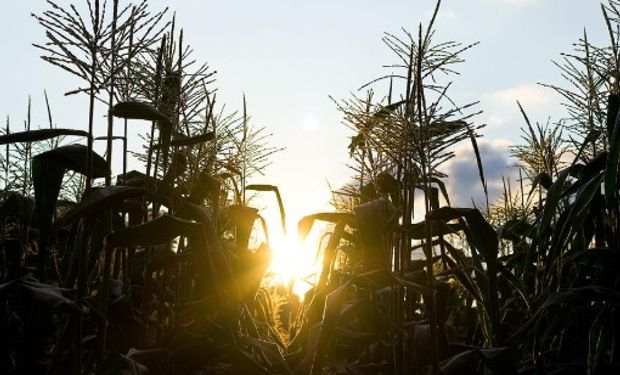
{"type": "Point", "coordinates": [163, 267]}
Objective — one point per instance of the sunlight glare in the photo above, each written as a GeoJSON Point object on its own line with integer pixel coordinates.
{"type": "Point", "coordinates": [293, 262]}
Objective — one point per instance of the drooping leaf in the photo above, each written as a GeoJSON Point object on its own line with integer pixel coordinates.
{"type": "Point", "coordinates": [374, 221]}
{"type": "Point", "coordinates": [189, 141]}
{"type": "Point", "coordinates": [242, 218]}
{"type": "Point", "coordinates": [39, 135]}
{"type": "Point", "coordinates": [100, 199]}
{"type": "Point", "coordinates": [306, 222]}
{"type": "Point", "coordinates": [483, 236]}
{"type": "Point", "coordinates": [73, 157]}
{"type": "Point", "coordinates": [48, 169]}
{"type": "Point", "coordinates": [155, 232]}
{"type": "Point", "coordinates": [543, 179]}
{"type": "Point", "coordinates": [205, 186]}
{"type": "Point", "coordinates": [276, 191]}
{"type": "Point", "coordinates": [138, 111]}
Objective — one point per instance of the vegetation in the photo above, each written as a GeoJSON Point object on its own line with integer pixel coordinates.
{"type": "Point", "coordinates": [159, 272]}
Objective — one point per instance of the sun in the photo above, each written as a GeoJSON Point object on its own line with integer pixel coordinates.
{"type": "Point", "coordinates": [294, 262]}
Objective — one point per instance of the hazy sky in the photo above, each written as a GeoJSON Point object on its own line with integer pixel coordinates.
{"type": "Point", "coordinates": [288, 56]}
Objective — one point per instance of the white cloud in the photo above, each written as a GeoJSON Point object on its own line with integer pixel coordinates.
{"type": "Point", "coordinates": [529, 95]}
{"type": "Point", "coordinates": [496, 119]}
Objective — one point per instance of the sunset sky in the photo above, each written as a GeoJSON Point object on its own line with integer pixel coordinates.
{"type": "Point", "coordinates": [289, 56]}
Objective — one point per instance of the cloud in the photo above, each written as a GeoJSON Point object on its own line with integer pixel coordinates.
{"type": "Point", "coordinates": [501, 110]}
{"type": "Point", "coordinates": [529, 95]}
{"type": "Point", "coordinates": [463, 182]}
{"type": "Point", "coordinates": [495, 119]}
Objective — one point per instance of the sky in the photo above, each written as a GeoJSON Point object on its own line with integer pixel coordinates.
{"type": "Point", "coordinates": [288, 57]}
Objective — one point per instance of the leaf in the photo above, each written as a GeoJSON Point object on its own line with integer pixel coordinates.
{"type": "Point", "coordinates": [189, 141]}
{"type": "Point", "coordinates": [578, 211]}
{"type": "Point", "coordinates": [158, 360]}
{"type": "Point", "coordinates": [132, 178]}
{"type": "Point", "coordinates": [39, 296]}
{"type": "Point", "coordinates": [118, 364]}
{"type": "Point", "coordinates": [388, 109]}
{"type": "Point", "coordinates": [551, 203]}
{"type": "Point", "coordinates": [483, 236]}
{"type": "Point", "coordinates": [15, 204]}
{"type": "Point", "coordinates": [276, 191]}
{"type": "Point", "coordinates": [611, 170]}
{"type": "Point", "coordinates": [381, 278]}
{"type": "Point", "coordinates": [48, 169]}
{"type": "Point", "coordinates": [601, 258]}
{"type": "Point", "coordinates": [242, 218]}
{"type": "Point", "coordinates": [39, 135]}
{"type": "Point", "coordinates": [613, 106]}
{"type": "Point", "coordinates": [331, 316]}
{"type": "Point", "coordinates": [516, 283]}
{"type": "Point", "coordinates": [139, 111]}
{"type": "Point", "coordinates": [73, 157]}
{"type": "Point", "coordinates": [587, 172]}
{"type": "Point", "coordinates": [177, 167]}
{"type": "Point", "coordinates": [305, 224]}
{"type": "Point", "coordinates": [578, 296]}
{"type": "Point", "coordinates": [515, 229]}
{"type": "Point", "coordinates": [459, 271]}
{"type": "Point", "coordinates": [461, 363]}
{"type": "Point", "coordinates": [474, 143]}
{"type": "Point", "coordinates": [374, 221]}
{"type": "Point", "coordinates": [543, 179]}
{"type": "Point", "coordinates": [387, 184]}
{"type": "Point", "coordinates": [155, 232]}
{"type": "Point", "coordinates": [496, 360]}
{"type": "Point", "coordinates": [101, 199]}
{"type": "Point", "coordinates": [205, 186]}
{"type": "Point", "coordinates": [271, 352]}
{"type": "Point", "coordinates": [249, 269]}
{"type": "Point", "coordinates": [442, 188]}
{"type": "Point", "coordinates": [595, 339]}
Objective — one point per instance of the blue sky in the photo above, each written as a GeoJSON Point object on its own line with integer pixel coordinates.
{"type": "Point", "coordinates": [289, 56]}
